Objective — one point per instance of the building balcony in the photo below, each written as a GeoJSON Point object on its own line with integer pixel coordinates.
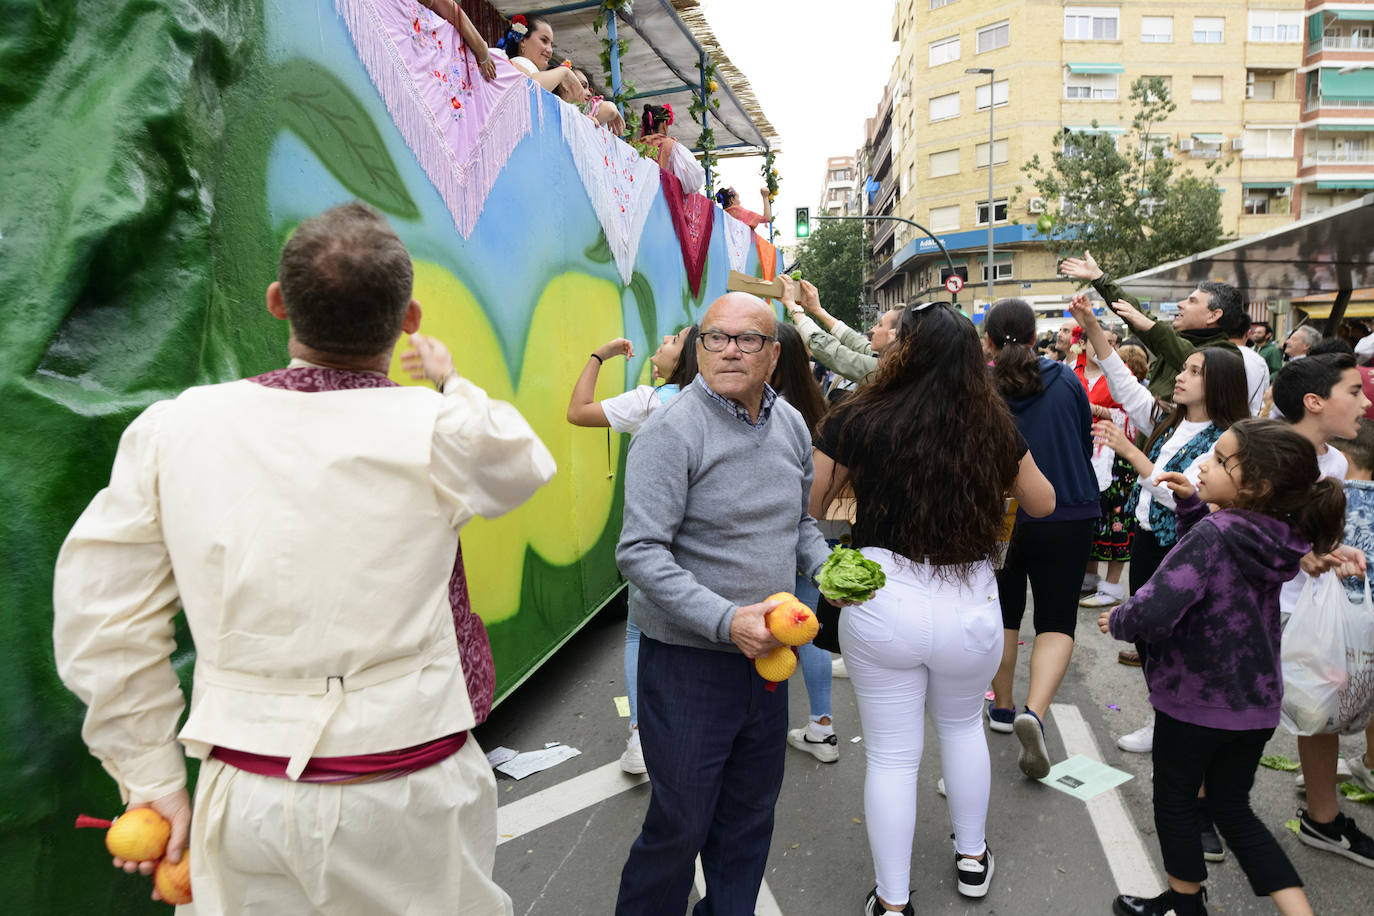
{"type": "Point", "coordinates": [1273, 55]}
{"type": "Point", "coordinates": [882, 272]}
{"type": "Point", "coordinates": [1338, 157]}
{"type": "Point", "coordinates": [1254, 168]}
{"type": "Point", "coordinates": [882, 232]}
{"type": "Point", "coordinates": [882, 154]}
{"type": "Point", "coordinates": [1271, 111]}
{"type": "Point", "coordinates": [1336, 106]}
{"type": "Point", "coordinates": [1208, 153]}
{"type": "Point", "coordinates": [1341, 43]}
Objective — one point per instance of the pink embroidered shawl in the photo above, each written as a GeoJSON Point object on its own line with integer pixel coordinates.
{"type": "Point", "coordinates": [694, 217]}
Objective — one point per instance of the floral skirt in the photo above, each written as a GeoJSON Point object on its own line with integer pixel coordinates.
{"type": "Point", "coordinates": [1115, 526]}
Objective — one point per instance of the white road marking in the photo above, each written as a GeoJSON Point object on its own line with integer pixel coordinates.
{"type": "Point", "coordinates": [557, 802]}
{"type": "Point", "coordinates": [766, 905]}
{"type": "Point", "coordinates": [1132, 868]}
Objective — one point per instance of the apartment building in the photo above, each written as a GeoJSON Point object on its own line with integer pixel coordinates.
{"type": "Point", "coordinates": [840, 181]}
{"type": "Point", "coordinates": [1277, 89]}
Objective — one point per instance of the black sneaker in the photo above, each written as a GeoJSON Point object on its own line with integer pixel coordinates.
{"type": "Point", "coordinates": [1168, 903]}
{"type": "Point", "coordinates": [974, 877]}
{"type": "Point", "coordinates": [1035, 758]}
{"type": "Point", "coordinates": [874, 907]}
{"type": "Point", "coordinates": [1341, 836]}
{"type": "Point", "coordinates": [1212, 850]}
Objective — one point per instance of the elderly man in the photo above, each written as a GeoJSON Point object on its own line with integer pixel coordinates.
{"type": "Point", "coordinates": [716, 490]}
{"type": "Point", "coordinates": [1303, 338]}
{"type": "Point", "coordinates": [306, 520]}
{"type": "Point", "coordinates": [833, 343]}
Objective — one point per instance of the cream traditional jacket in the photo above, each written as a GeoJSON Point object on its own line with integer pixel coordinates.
{"type": "Point", "coordinates": [309, 536]}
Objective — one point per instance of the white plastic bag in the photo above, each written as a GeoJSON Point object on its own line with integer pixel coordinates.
{"type": "Point", "coordinates": [1328, 660]}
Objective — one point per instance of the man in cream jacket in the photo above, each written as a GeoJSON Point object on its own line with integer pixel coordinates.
{"type": "Point", "coordinates": [307, 521]}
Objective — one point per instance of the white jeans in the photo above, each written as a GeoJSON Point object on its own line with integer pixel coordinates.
{"type": "Point", "coordinates": [922, 639]}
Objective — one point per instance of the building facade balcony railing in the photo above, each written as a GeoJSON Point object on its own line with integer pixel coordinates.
{"type": "Point", "coordinates": [881, 272]}
{"type": "Point", "coordinates": [1341, 43]}
{"type": "Point", "coordinates": [1204, 154]}
{"type": "Point", "coordinates": [1314, 104]}
{"type": "Point", "coordinates": [881, 153]}
{"type": "Point", "coordinates": [1338, 157]}
{"type": "Point", "coordinates": [882, 231]}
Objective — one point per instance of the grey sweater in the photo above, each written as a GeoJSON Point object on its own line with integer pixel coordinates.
{"type": "Point", "coordinates": [715, 517]}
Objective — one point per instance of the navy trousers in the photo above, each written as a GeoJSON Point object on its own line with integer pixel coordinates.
{"type": "Point", "coordinates": [714, 738]}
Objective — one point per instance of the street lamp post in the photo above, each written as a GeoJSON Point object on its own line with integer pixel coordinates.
{"type": "Point", "coordinates": [992, 209]}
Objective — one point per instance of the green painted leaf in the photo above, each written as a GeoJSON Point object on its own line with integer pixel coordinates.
{"type": "Point", "coordinates": [648, 312]}
{"type": "Point", "coordinates": [321, 110]}
{"type": "Point", "coordinates": [599, 252]}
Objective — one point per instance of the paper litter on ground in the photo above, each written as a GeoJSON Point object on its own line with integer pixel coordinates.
{"type": "Point", "coordinates": [499, 755]}
{"type": "Point", "coordinates": [531, 762]}
{"type": "Point", "coordinates": [1082, 777]}
{"type": "Point", "coordinates": [622, 706]}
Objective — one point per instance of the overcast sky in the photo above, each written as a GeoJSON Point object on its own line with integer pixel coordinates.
{"type": "Point", "coordinates": [817, 78]}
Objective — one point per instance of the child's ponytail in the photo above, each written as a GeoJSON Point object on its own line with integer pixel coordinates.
{"type": "Point", "coordinates": [1322, 518]}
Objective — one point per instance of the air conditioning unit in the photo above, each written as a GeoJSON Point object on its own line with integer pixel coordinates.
{"type": "Point", "coordinates": [1283, 192]}
{"type": "Point", "coordinates": [1035, 205]}
{"type": "Point", "coordinates": [1186, 144]}
{"type": "Point", "coordinates": [1238, 143]}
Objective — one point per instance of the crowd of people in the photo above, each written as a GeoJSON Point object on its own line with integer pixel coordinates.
{"type": "Point", "coordinates": [338, 676]}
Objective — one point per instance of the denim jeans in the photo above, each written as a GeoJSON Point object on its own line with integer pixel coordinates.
{"type": "Point", "coordinates": [714, 739]}
{"type": "Point", "coordinates": [815, 663]}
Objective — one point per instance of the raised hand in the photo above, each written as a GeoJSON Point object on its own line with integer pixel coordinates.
{"type": "Point", "coordinates": [1084, 268]}
{"type": "Point", "coordinates": [1107, 433]}
{"type": "Point", "coordinates": [429, 358]}
{"type": "Point", "coordinates": [1181, 486]}
{"type": "Point", "coordinates": [617, 347]}
{"type": "Point", "coordinates": [1132, 315]}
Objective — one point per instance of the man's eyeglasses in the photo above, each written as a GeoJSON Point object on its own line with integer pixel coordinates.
{"type": "Point", "coordinates": [716, 341]}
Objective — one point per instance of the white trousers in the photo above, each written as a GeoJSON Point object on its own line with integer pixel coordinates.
{"type": "Point", "coordinates": [421, 844]}
{"type": "Point", "coordinates": [922, 643]}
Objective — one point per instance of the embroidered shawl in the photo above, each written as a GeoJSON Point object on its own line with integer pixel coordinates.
{"type": "Point", "coordinates": [693, 218]}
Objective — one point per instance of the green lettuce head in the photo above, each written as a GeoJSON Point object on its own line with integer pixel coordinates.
{"type": "Point", "coordinates": [848, 575]}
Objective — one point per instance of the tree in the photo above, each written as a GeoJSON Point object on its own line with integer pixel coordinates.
{"type": "Point", "coordinates": [832, 258]}
{"type": "Point", "coordinates": [1135, 208]}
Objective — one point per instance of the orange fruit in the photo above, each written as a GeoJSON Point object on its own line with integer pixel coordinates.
{"type": "Point", "coordinates": [777, 665]}
{"type": "Point", "coordinates": [139, 835]}
{"type": "Point", "coordinates": [791, 623]}
{"type": "Point", "coordinates": [173, 880]}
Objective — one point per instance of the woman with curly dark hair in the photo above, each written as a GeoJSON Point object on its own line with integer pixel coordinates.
{"type": "Point", "coordinates": [931, 451]}
{"type": "Point", "coordinates": [1052, 412]}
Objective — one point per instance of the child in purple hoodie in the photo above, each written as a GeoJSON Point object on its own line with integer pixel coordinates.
{"type": "Point", "coordinates": [1209, 620]}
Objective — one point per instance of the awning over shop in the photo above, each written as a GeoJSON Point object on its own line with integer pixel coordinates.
{"type": "Point", "coordinates": [1359, 15]}
{"type": "Point", "coordinates": [1322, 254]}
{"type": "Point", "coordinates": [1355, 85]}
{"type": "Point", "coordinates": [1344, 183]}
{"type": "Point", "coordinates": [1095, 68]}
{"type": "Point", "coordinates": [1353, 310]}
{"type": "Point", "coordinates": [1344, 128]}
{"type": "Point", "coordinates": [665, 41]}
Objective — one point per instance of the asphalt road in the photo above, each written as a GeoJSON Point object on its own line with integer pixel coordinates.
{"type": "Point", "coordinates": [567, 830]}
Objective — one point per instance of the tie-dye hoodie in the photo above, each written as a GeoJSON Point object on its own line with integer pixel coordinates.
{"type": "Point", "coordinates": [1208, 619]}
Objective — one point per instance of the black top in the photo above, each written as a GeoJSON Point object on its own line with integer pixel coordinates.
{"type": "Point", "coordinates": [869, 492]}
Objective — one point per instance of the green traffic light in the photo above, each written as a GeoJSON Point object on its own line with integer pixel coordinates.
{"type": "Point", "coordinates": [803, 222]}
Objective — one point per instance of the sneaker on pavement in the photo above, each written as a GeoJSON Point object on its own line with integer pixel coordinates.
{"type": "Point", "coordinates": [1343, 771]}
{"type": "Point", "coordinates": [1035, 757]}
{"type": "Point", "coordinates": [632, 761]}
{"type": "Point", "coordinates": [1341, 836]}
{"type": "Point", "coordinates": [1140, 741]}
{"type": "Point", "coordinates": [825, 749]}
{"type": "Point", "coordinates": [1089, 584]}
{"type": "Point", "coordinates": [1100, 599]}
{"type": "Point", "coordinates": [974, 877]}
{"type": "Point", "coordinates": [837, 668]}
{"type": "Point", "coordinates": [1166, 904]}
{"type": "Point", "coordinates": [1001, 720]}
{"type": "Point", "coordinates": [874, 907]}
{"type": "Point", "coordinates": [1363, 775]}
{"type": "Point", "coordinates": [1212, 850]}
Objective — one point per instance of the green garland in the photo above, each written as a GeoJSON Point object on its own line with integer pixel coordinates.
{"type": "Point", "coordinates": [701, 102]}
{"type": "Point", "coordinates": [770, 175]}
{"type": "Point", "coordinates": [627, 88]}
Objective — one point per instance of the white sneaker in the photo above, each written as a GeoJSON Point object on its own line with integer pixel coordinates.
{"type": "Point", "coordinates": [825, 748]}
{"type": "Point", "coordinates": [1140, 741]}
{"type": "Point", "coordinates": [1100, 599]}
{"type": "Point", "coordinates": [1343, 771]}
{"type": "Point", "coordinates": [632, 761]}
{"type": "Point", "coordinates": [1362, 774]}
{"type": "Point", "coordinates": [837, 668]}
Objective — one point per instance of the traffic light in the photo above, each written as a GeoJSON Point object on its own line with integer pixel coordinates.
{"type": "Point", "coordinates": [803, 222]}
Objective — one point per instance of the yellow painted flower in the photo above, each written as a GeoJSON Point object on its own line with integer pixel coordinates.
{"type": "Point", "coordinates": [712, 86]}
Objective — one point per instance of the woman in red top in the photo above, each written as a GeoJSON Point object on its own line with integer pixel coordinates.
{"type": "Point", "coordinates": [728, 198]}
